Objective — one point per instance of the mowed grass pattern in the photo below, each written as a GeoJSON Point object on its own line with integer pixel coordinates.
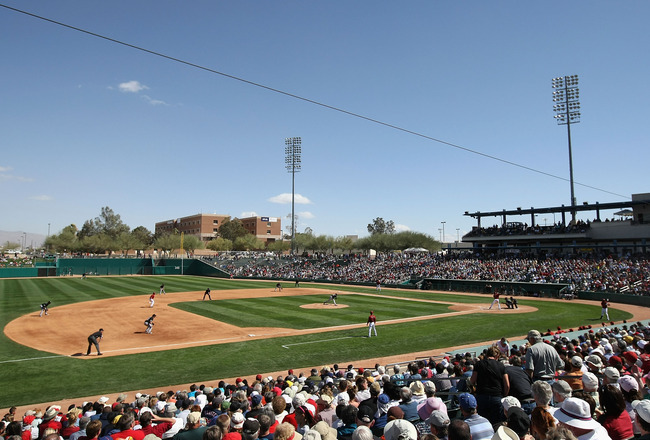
{"type": "Point", "coordinates": [30, 376]}
{"type": "Point", "coordinates": [286, 312]}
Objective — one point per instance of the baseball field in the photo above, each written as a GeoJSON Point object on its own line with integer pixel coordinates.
{"type": "Point", "coordinates": [247, 328]}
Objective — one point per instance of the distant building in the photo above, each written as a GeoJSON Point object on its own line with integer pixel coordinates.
{"type": "Point", "coordinates": [267, 229]}
{"type": "Point", "coordinates": [206, 226]}
{"type": "Point", "coordinates": [203, 226]}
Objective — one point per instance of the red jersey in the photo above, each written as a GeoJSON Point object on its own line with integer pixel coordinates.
{"type": "Point", "coordinates": [603, 304]}
{"type": "Point", "coordinates": [372, 318]}
{"type": "Point", "coordinates": [496, 295]}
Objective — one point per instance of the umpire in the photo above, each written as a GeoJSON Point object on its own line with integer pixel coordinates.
{"type": "Point", "coordinates": [94, 340]}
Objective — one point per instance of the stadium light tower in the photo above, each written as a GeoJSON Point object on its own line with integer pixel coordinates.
{"type": "Point", "coordinates": [292, 152]}
{"type": "Point", "coordinates": [566, 105]}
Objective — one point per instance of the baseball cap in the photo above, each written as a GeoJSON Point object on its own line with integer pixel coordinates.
{"type": "Point", "coordinates": [467, 401]}
{"type": "Point", "coordinates": [438, 418]}
{"type": "Point", "coordinates": [628, 383]}
{"type": "Point", "coordinates": [642, 408]}
{"type": "Point", "coordinates": [365, 414]}
{"type": "Point", "coordinates": [612, 374]}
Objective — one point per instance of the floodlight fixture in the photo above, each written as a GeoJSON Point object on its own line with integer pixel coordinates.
{"type": "Point", "coordinates": [566, 106]}
{"type": "Point", "coordinates": [292, 162]}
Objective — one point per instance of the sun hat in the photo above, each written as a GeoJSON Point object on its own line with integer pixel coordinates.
{"type": "Point", "coordinates": [428, 406]}
{"type": "Point", "coordinates": [576, 413]}
{"type": "Point", "coordinates": [326, 431]}
{"type": "Point", "coordinates": [400, 429]}
{"type": "Point", "coordinates": [237, 420]}
{"type": "Point", "coordinates": [505, 433]}
{"type": "Point", "coordinates": [510, 402]}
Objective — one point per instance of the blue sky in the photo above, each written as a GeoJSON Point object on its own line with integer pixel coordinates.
{"type": "Point", "coordinates": [88, 123]}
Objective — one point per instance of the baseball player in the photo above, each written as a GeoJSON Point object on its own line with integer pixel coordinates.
{"type": "Point", "coordinates": [149, 323]}
{"type": "Point", "coordinates": [278, 288]}
{"type": "Point", "coordinates": [378, 288]}
{"type": "Point", "coordinates": [332, 298]}
{"type": "Point", "coordinates": [162, 289]}
{"type": "Point", "coordinates": [45, 306]}
{"type": "Point", "coordinates": [151, 299]}
{"type": "Point", "coordinates": [495, 295]}
{"type": "Point", "coordinates": [372, 320]}
{"type": "Point", "coordinates": [207, 293]}
{"type": "Point", "coordinates": [94, 340]}
{"type": "Point", "coordinates": [604, 311]}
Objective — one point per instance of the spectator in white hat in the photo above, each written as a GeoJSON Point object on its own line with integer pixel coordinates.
{"type": "Point", "coordinates": [642, 411]}
{"type": "Point", "coordinates": [575, 415]}
{"type": "Point", "coordinates": [590, 386]}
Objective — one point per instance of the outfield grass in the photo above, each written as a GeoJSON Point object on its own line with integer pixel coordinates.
{"type": "Point", "coordinates": [43, 378]}
{"type": "Point", "coordinates": [285, 312]}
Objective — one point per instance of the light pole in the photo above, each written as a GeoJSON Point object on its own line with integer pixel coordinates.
{"type": "Point", "coordinates": [443, 231]}
{"type": "Point", "coordinates": [292, 152]}
{"type": "Point", "coordinates": [24, 241]}
{"type": "Point", "coordinates": [566, 99]}
{"type": "Point", "coordinates": [457, 235]}
{"type": "Point", "coordinates": [440, 232]}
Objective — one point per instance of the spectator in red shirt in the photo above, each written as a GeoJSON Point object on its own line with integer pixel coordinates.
{"type": "Point", "coordinates": [162, 424]}
{"type": "Point", "coordinates": [125, 426]}
{"type": "Point", "coordinates": [50, 420]}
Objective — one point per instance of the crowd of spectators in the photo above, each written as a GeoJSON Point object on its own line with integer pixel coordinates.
{"type": "Point", "coordinates": [588, 272]}
{"type": "Point", "coordinates": [517, 228]}
{"type": "Point", "coordinates": [592, 386]}
{"type": "Point", "coordinates": [16, 261]}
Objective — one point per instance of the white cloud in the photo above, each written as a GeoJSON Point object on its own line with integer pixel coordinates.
{"type": "Point", "coordinates": [152, 101]}
{"type": "Point", "coordinates": [401, 228]}
{"type": "Point", "coordinates": [42, 198]}
{"type": "Point", "coordinates": [5, 177]}
{"type": "Point", "coordinates": [132, 87]}
{"type": "Point", "coordinates": [248, 214]}
{"type": "Point", "coordinates": [286, 198]}
{"type": "Point", "coordinates": [304, 215]}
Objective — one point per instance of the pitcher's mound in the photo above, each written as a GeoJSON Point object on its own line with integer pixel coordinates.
{"type": "Point", "coordinates": [323, 306]}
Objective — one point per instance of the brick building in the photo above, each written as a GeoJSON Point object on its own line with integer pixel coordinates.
{"type": "Point", "coordinates": [206, 226]}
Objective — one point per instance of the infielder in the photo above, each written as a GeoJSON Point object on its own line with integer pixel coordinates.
{"type": "Point", "coordinates": [151, 299]}
{"type": "Point", "coordinates": [162, 289]}
{"type": "Point", "coordinates": [207, 293]}
{"type": "Point", "coordinates": [332, 298]}
{"type": "Point", "coordinates": [278, 288]}
{"type": "Point", "coordinates": [149, 323]}
{"type": "Point", "coordinates": [45, 306]}
{"type": "Point", "coordinates": [495, 295]}
{"type": "Point", "coordinates": [94, 340]}
{"type": "Point", "coordinates": [372, 320]}
{"type": "Point", "coordinates": [604, 311]}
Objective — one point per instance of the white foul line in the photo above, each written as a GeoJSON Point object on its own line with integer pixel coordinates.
{"type": "Point", "coordinates": [313, 342]}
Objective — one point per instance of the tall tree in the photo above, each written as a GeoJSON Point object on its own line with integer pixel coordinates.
{"type": "Point", "coordinates": [232, 229]}
{"type": "Point", "coordinates": [110, 223]}
{"type": "Point", "coordinates": [143, 235]}
{"type": "Point", "coordinates": [248, 242]}
{"type": "Point", "coordinates": [220, 244]}
{"type": "Point", "coordinates": [380, 226]}
{"type": "Point", "coordinates": [168, 242]}
{"type": "Point", "coordinates": [191, 243]}
{"type": "Point", "coordinates": [279, 246]}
